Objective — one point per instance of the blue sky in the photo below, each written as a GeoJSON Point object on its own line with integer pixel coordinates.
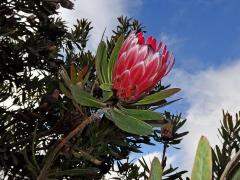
{"type": "Point", "coordinates": [208, 30]}
{"type": "Point", "coordinates": [204, 36]}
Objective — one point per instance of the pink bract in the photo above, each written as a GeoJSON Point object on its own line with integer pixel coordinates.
{"type": "Point", "coordinates": [139, 67]}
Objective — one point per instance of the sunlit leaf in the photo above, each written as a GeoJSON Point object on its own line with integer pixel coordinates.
{"type": "Point", "coordinates": [156, 170]}
{"type": "Point", "coordinates": [202, 167]}
{"type": "Point", "coordinates": [156, 97]}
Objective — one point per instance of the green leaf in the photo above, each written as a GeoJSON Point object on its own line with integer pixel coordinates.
{"type": "Point", "coordinates": [143, 114]}
{"type": "Point", "coordinates": [114, 56]}
{"type": "Point", "coordinates": [65, 90]}
{"type": "Point", "coordinates": [86, 77]}
{"type": "Point", "coordinates": [106, 87]}
{"type": "Point", "coordinates": [202, 167]}
{"type": "Point", "coordinates": [156, 170]}
{"type": "Point", "coordinates": [129, 123]}
{"type": "Point", "coordinates": [98, 61]}
{"type": "Point", "coordinates": [104, 64]}
{"type": "Point", "coordinates": [156, 97]}
{"type": "Point", "coordinates": [84, 98]}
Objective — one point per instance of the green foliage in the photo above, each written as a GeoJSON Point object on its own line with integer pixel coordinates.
{"type": "Point", "coordinates": [101, 62]}
{"type": "Point", "coordinates": [144, 115]}
{"type": "Point", "coordinates": [202, 167]}
{"type": "Point", "coordinates": [83, 98]}
{"type": "Point", "coordinates": [51, 82]}
{"type": "Point", "coordinates": [157, 97]}
{"type": "Point", "coordinates": [230, 138]}
{"type": "Point", "coordinates": [129, 123]}
{"type": "Point", "coordinates": [170, 136]}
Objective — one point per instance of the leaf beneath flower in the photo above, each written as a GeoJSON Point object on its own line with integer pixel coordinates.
{"type": "Point", "coordinates": [156, 97]}
{"type": "Point", "coordinates": [143, 114]}
{"type": "Point", "coordinates": [128, 123]}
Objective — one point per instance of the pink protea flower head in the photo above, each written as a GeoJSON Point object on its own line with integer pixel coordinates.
{"type": "Point", "coordinates": [139, 67]}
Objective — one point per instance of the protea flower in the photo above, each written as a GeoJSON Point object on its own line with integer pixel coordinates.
{"type": "Point", "coordinates": [139, 67]}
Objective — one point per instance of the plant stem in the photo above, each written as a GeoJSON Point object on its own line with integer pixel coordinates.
{"type": "Point", "coordinates": [80, 153]}
{"type": "Point", "coordinates": [164, 155]}
{"type": "Point", "coordinates": [55, 151]}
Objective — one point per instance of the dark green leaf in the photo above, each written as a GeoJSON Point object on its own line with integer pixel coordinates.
{"type": "Point", "coordinates": [143, 114]}
{"type": "Point", "coordinates": [129, 123]}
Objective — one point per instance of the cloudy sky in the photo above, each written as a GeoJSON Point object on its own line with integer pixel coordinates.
{"type": "Point", "coordinates": [204, 36]}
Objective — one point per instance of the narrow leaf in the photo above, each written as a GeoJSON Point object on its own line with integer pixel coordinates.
{"type": "Point", "coordinates": [98, 61]}
{"type": "Point", "coordinates": [104, 64]}
{"type": "Point", "coordinates": [202, 167]}
{"type": "Point", "coordinates": [84, 98]}
{"type": "Point", "coordinates": [156, 97]}
{"type": "Point", "coordinates": [156, 170]}
{"type": "Point", "coordinates": [143, 114]}
{"type": "Point", "coordinates": [106, 87]}
{"type": "Point", "coordinates": [114, 56]}
{"type": "Point", "coordinates": [65, 90]}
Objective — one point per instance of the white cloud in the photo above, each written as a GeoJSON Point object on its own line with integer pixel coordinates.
{"type": "Point", "coordinates": [102, 13]}
{"type": "Point", "coordinates": [207, 94]}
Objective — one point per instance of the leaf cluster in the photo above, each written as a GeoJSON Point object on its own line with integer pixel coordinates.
{"type": "Point", "coordinates": [230, 138]}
